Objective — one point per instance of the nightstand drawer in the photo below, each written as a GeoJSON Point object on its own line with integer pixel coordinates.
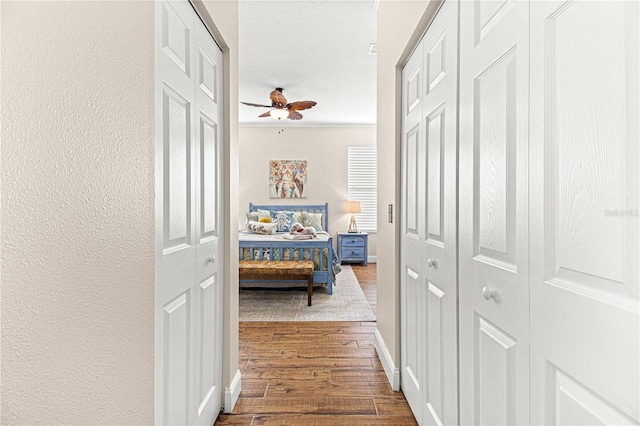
{"type": "Point", "coordinates": [352, 242]}
{"type": "Point", "coordinates": [347, 253]}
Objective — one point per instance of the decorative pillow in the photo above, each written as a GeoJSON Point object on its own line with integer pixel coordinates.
{"type": "Point", "coordinates": [264, 213]}
{"type": "Point", "coordinates": [265, 220]}
{"type": "Point", "coordinates": [309, 219]}
{"type": "Point", "coordinates": [252, 216]}
{"type": "Point", "coordinates": [261, 228]}
{"type": "Point", "coordinates": [283, 220]}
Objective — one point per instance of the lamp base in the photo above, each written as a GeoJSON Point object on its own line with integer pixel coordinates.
{"type": "Point", "coordinates": [352, 225]}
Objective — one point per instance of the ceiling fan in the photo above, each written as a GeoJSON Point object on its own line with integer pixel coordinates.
{"type": "Point", "coordinates": [282, 109]}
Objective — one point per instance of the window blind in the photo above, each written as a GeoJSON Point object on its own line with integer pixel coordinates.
{"type": "Point", "coordinates": [362, 183]}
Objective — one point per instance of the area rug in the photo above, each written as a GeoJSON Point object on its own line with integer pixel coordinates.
{"type": "Point", "coordinates": [347, 303]}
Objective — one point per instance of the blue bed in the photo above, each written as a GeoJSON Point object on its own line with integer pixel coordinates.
{"type": "Point", "coordinates": [275, 247]}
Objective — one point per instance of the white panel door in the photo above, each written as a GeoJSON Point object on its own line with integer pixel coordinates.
{"type": "Point", "coordinates": [207, 381]}
{"type": "Point", "coordinates": [412, 289]}
{"type": "Point", "coordinates": [188, 302]}
{"type": "Point", "coordinates": [585, 80]}
{"type": "Point", "coordinates": [493, 213]}
{"type": "Point", "coordinates": [429, 284]}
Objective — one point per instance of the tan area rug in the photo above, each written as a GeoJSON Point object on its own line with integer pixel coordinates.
{"type": "Point", "coordinates": [347, 303]}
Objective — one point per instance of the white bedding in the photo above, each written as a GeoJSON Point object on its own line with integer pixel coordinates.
{"type": "Point", "coordinates": [250, 236]}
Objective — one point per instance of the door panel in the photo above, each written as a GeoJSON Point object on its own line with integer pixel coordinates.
{"type": "Point", "coordinates": [584, 220]}
{"type": "Point", "coordinates": [412, 295]}
{"type": "Point", "coordinates": [177, 169]}
{"type": "Point", "coordinates": [493, 218]}
{"type": "Point", "coordinates": [435, 352]}
{"type": "Point", "coordinates": [435, 132]}
{"type": "Point", "coordinates": [208, 345]}
{"type": "Point", "coordinates": [496, 375]}
{"type": "Point", "coordinates": [575, 404]}
{"type": "Point", "coordinates": [176, 31]}
{"type": "Point", "coordinates": [495, 161]}
{"type": "Point", "coordinates": [429, 285]}
{"type": "Point", "coordinates": [177, 330]}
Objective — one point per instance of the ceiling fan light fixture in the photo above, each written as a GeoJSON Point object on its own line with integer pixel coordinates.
{"type": "Point", "coordinates": [279, 114]}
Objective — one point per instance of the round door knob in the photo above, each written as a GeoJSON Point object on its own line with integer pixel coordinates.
{"type": "Point", "coordinates": [211, 259]}
{"type": "Point", "coordinates": [487, 293]}
{"type": "Point", "coordinates": [433, 263]}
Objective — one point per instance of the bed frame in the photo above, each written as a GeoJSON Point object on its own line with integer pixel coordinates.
{"type": "Point", "coordinates": [321, 276]}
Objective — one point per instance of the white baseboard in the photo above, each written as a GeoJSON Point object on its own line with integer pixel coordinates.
{"type": "Point", "coordinates": [372, 259]}
{"type": "Point", "coordinates": [232, 393]}
{"type": "Point", "coordinates": [392, 372]}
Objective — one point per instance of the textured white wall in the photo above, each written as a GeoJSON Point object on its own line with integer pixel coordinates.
{"type": "Point", "coordinates": [324, 148]}
{"type": "Point", "coordinates": [77, 212]}
{"type": "Point", "coordinates": [400, 26]}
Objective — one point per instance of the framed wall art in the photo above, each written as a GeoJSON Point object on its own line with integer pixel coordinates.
{"type": "Point", "coordinates": [288, 179]}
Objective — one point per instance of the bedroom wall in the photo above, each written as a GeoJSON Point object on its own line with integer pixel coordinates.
{"type": "Point", "coordinates": [325, 149]}
{"type": "Point", "coordinates": [400, 26]}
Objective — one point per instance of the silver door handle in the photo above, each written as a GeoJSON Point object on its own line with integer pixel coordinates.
{"type": "Point", "coordinates": [488, 293]}
{"type": "Point", "coordinates": [433, 263]}
{"type": "Point", "coordinates": [211, 259]}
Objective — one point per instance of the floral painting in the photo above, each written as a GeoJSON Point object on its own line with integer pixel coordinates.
{"type": "Point", "coordinates": [288, 179]}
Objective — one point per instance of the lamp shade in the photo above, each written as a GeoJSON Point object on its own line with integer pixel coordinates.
{"type": "Point", "coordinates": [352, 207]}
{"type": "Point", "coordinates": [279, 113]}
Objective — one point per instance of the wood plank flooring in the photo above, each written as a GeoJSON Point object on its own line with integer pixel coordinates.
{"type": "Point", "coordinates": [366, 276]}
{"type": "Point", "coordinates": [315, 373]}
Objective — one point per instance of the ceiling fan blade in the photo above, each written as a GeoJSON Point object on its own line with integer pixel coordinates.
{"type": "Point", "coordinates": [278, 98]}
{"type": "Point", "coordinates": [266, 114]}
{"type": "Point", "coordinates": [300, 105]}
{"type": "Point", "coordinates": [256, 105]}
{"type": "Point", "coordinates": [294, 115]}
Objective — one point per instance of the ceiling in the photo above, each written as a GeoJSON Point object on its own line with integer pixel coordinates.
{"type": "Point", "coordinates": [314, 50]}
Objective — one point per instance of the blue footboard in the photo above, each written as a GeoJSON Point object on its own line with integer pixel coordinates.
{"type": "Point", "coordinates": [320, 252]}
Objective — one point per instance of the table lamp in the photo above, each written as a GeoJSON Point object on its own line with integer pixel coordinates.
{"type": "Point", "coordinates": [352, 207]}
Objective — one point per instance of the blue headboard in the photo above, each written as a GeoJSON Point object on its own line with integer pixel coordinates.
{"type": "Point", "coordinates": [312, 208]}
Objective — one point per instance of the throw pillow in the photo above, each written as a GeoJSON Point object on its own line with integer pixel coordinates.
{"type": "Point", "coordinates": [261, 228]}
{"type": "Point", "coordinates": [252, 216]}
{"type": "Point", "coordinates": [283, 220]}
{"type": "Point", "coordinates": [309, 219]}
{"type": "Point", "coordinates": [264, 213]}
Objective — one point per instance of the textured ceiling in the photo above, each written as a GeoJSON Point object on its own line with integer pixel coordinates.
{"type": "Point", "coordinates": [315, 50]}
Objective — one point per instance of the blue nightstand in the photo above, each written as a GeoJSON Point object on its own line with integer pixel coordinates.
{"type": "Point", "coordinates": [353, 247]}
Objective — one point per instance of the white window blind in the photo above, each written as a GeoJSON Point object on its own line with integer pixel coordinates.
{"type": "Point", "coordinates": [363, 184]}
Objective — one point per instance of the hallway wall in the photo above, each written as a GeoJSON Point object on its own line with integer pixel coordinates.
{"type": "Point", "coordinates": [77, 232]}
{"type": "Point", "coordinates": [77, 212]}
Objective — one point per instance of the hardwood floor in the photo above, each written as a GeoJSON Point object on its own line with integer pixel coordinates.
{"type": "Point", "coordinates": [315, 373]}
{"type": "Point", "coordinates": [366, 276]}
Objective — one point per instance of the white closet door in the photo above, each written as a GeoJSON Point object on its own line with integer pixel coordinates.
{"type": "Point", "coordinates": [207, 382]}
{"type": "Point", "coordinates": [188, 333]}
{"type": "Point", "coordinates": [493, 218]}
{"type": "Point", "coordinates": [585, 82]}
{"type": "Point", "coordinates": [429, 286]}
{"type": "Point", "coordinates": [413, 291]}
